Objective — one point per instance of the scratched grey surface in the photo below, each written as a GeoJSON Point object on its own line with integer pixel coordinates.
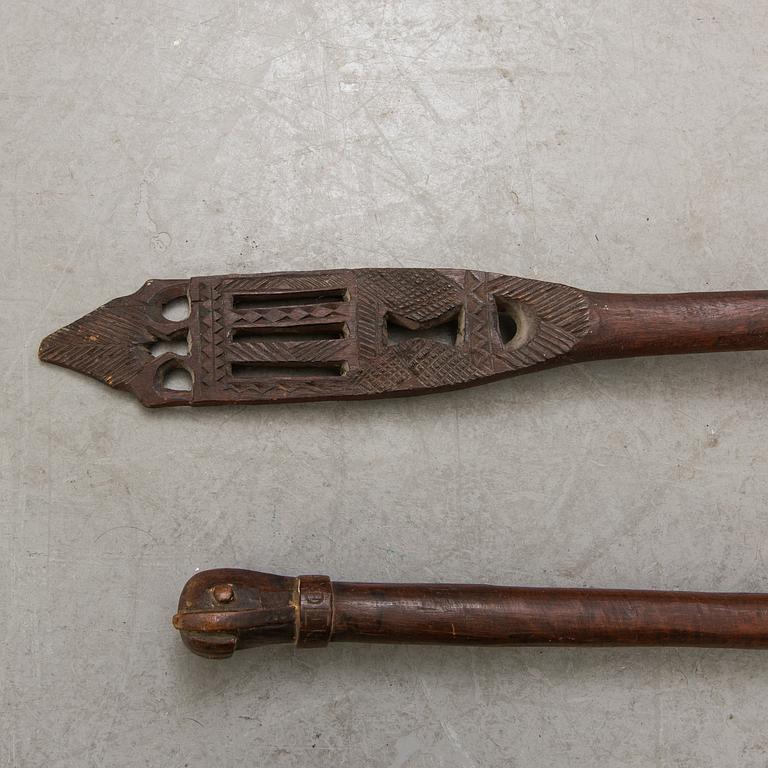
{"type": "Point", "coordinates": [615, 146]}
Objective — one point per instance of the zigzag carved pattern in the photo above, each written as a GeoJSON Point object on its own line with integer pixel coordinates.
{"type": "Point", "coordinates": [284, 387]}
{"type": "Point", "coordinates": [478, 331]}
{"type": "Point", "coordinates": [293, 314]}
{"type": "Point", "coordinates": [207, 338]}
{"type": "Point", "coordinates": [109, 344]}
{"type": "Point", "coordinates": [219, 333]}
{"type": "Point", "coordinates": [219, 318]}
{"type": "Point", "coordinates": [213, 333]}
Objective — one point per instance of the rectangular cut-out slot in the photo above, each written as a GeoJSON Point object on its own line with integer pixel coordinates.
{"type": "Point", "coordinates": [242, 301]}
{"type": "Point", "coordinates": [256, 370]}
{"type": "Point", "coordinates": [315, 332]}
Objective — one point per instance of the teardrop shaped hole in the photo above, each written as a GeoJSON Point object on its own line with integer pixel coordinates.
{"type": "Point", "coordinates": [176, 309]}
{"type": "Point", "coordinates": [507, 327]}
{"type": "Point", "coordinates": [177, 379]}
{"type": "Point", "coordinates": [508, 320]}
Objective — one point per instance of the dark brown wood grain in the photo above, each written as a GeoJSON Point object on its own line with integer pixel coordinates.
{"type": "Point", "coordinates": [311, 611]}
{"type": "Point", "coordinates": [636, 325]}
{"type": "Point", "coordinates": [369, 333]}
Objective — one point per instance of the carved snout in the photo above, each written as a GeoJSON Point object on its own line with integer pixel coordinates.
{"type": "Point", "coordinates": [224, 610]}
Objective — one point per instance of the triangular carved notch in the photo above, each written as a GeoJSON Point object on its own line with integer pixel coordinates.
{"type": "Point", "coordinates": [178, 346]}
{"type": "Point", "coordinates": [446, 331]}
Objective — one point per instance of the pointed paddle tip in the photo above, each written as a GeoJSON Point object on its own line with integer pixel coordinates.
{"type": "Point", "coordinates": [57, 348]}
{"type": "Point", "coordinates": [97, 345]}
{"type": "Point", "coordinates": [46, 349]}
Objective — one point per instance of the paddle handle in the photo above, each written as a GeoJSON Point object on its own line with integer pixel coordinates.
{"type": "Point", "coordinates": [635, 325]}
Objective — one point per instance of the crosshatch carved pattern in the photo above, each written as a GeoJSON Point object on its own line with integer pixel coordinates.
{"type": "Point", "coordinates": [360, 364]}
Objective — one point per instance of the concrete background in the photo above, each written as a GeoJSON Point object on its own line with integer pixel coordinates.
{"type": "Point", "coordinates": [610, 145]}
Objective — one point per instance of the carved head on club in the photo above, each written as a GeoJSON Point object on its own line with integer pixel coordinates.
{"type": "Point", "coordinates": [228, 609]}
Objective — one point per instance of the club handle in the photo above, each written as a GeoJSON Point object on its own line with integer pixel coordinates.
{"type": "Point", "coordinates": [224, 610]}
{"type": "Point", "coordinates": [490, 615]}
{"type": "Point", "coordinates": [635, 325]}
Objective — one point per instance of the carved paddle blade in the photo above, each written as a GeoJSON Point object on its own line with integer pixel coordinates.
{"type": "Point", "coordinates": [340, 334]}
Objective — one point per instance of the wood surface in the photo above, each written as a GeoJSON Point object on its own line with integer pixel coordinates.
{"type": "Point", "coordinates": [312, 611]}
{"type": "Point", "coordinates": [369, 333]}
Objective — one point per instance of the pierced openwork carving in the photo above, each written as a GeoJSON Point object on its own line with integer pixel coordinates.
{"type": "Point", "coordinates": [322, 335]}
